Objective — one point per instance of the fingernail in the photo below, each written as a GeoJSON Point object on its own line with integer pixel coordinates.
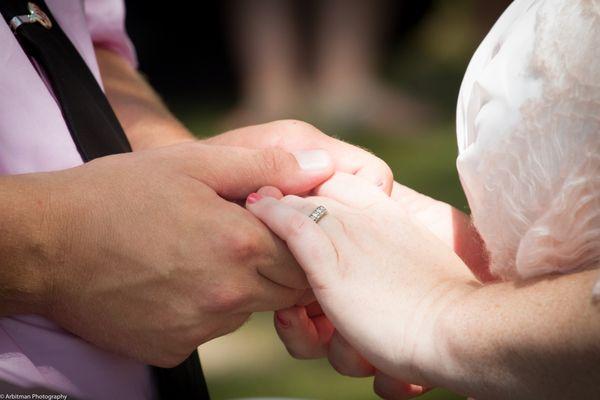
{"type": "Point", "coordinates": [253, 198]}
{"type": "Point", "coordinates": [282, 322]}
{"type": "Point", "coordinates": [313, 160]}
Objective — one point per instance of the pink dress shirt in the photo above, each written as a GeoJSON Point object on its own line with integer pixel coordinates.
{"type": "Point", "coordinates": [35, 352]}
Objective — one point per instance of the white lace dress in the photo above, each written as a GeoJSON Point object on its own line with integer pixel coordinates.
{"type": "Point", "coordinates": [528, 127]}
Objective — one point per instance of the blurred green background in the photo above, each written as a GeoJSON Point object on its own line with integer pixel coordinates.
{"type": "Point", "coordinates": [421, 61]}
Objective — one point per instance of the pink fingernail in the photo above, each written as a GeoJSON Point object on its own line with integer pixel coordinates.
{"type": "Point", "coordinates": [253, 198]}
{"type": "Point", "coordinates": [282, 322]}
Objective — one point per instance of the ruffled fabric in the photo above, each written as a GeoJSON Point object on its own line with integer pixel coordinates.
{"type": "Point", "coordinates": [528, 127]}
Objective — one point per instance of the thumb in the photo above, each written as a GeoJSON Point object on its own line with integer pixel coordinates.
{"type": "Point", "coordinates": [235, 172]}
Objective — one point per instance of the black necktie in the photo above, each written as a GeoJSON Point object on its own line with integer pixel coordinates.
{"type": "Point", "coordinates": [95, 131]}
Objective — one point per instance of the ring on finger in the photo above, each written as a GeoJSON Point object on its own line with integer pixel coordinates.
{"type": "Point", "coordinates": [318, 213]}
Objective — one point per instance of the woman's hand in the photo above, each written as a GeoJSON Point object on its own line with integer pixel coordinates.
{"type": "Point", "coordinates": [307, 333]}
{"type": "Point", "coordinates": [381, 279]}
{"type": "Point", "coordinates": [448, 224]}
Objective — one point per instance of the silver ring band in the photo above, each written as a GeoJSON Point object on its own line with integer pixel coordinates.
{"type": "Point", "coordinates": [318, 213]}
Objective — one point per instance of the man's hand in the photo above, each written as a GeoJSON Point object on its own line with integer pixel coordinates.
{"type": "Point", "coordinates": [373, 271]}
{"type": "Point", "coordinates": [293, 135]}
{"type": "Point", "coordinates": [142, 255]}
{"type": "Point", "coordinates": [149, 124]}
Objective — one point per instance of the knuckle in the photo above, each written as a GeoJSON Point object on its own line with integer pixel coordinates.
{"type": "Point", "coordinates": [223, 326]}
{"type": "Point", "coordinates": [229, 298]}
{"type": "Point", "coordinates": [300, 353]}
{"type": "Point", "coordinates": [294, 126]}
{"type": "Point", "coordinates": [339, 367]}
{"type": "Point", "coordinates": [291, 130]}
{"type": "Point", "coordinates": [169, 360]}
{"type": "Point", "coordinates": [237, 322]}
{"type": "Point", "coordinates": [297, 224]}
{"type": "Point", "coordinates": [244, 245]}
{"type": "Point", "coordinates": [347, 369]}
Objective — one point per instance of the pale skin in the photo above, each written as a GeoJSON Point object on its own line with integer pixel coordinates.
{"type": "Point", "coordinates": [308, 333]}
{"type": "Point", "coordinates": [398, 303]}
{"type": "Point", "coordinates": [147, 254]}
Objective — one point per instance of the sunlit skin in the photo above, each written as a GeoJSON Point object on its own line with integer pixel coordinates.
{"type": "Point", "coordinates": [157, 235]}
{"type": "Point", "coordinates": [307, 332]}
{"type": "Point", "coordinates": [400, 304]}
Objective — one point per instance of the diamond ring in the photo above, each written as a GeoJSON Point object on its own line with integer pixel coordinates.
{"type": "Point", "coordinates": [318, 213]}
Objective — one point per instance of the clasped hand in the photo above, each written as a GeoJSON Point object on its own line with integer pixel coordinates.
{"type": "Point", "coordinates": [149, 254]}
{"type": "Point", "coordinates": [382, 277]}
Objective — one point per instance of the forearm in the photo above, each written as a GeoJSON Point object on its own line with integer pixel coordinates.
{"type": "Point", "coordinates": [539, 339]}
{"type": "Point", "coordinates": [146, 120]}
{"type": "Point", "coordinates": [25, 243]}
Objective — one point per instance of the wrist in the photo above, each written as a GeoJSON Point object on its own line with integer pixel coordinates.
{"type": "Point", "coordinates": [435, 359]}
{"type": "Point", "coordinates": [26, 244]}
{"type": "Point", "coordinates": [153, 132]}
